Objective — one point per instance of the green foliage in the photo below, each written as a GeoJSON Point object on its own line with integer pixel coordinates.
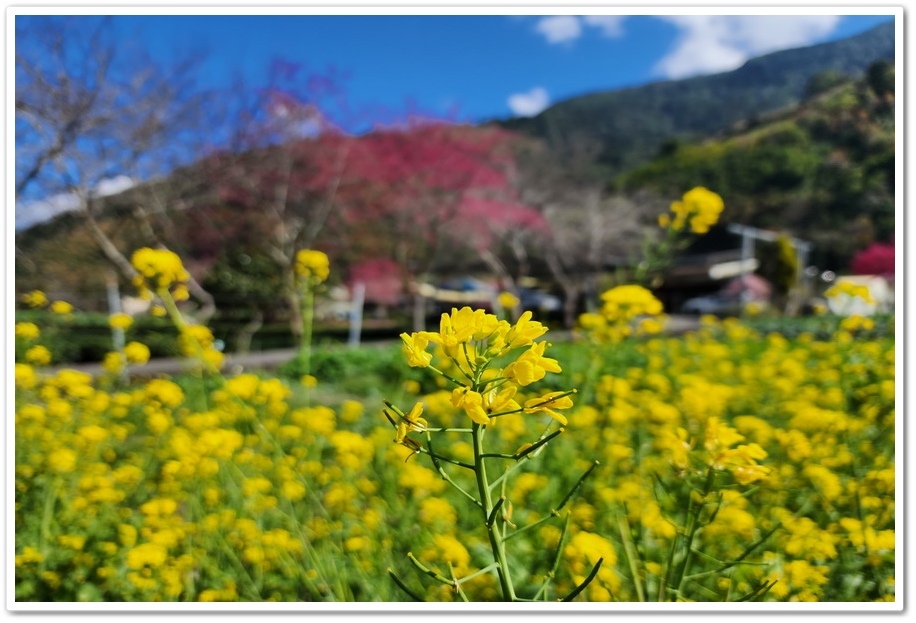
{"type": "Point", "coordinates": [352, 370]}
{"type": "Point", "coordinates": [813, 170]}
{"type": "Point", "coordinates": [246, 281]}
{"type": "Point", "coordinates": [786, 264]}
{"type": "Point", "coordinates": [86, 336]}
{"type": "Point", "coordinates": [823, 81]}
{"type": "Point", "coordinates": [880, 77]}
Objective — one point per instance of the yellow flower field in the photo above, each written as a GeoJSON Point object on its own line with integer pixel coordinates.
{"type": "Point", "coordinates": [723, 465]}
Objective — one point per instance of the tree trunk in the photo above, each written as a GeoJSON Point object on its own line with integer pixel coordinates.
{"type": "Point", "coordinates": [295, 305]}
{"type": "Point", "coordinates": [107, 246]}
{"type": "Point", "coordinates": [243, 341]}
{"type": "Point", "coordinates": [569, 286]}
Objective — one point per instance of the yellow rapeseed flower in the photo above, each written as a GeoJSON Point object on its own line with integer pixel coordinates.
{"type": "Point", "coordinates": [548, 402]}
{"type": "Point", "coordinates": [524, 331]}
{"type": "Point", "coordinates": [472, 403]}
{"type": "Point", "coordinates": [412, 422]}
{"type": "Point", "coordinates": [35, 299]}
{"type": "Point", "coordinates": [120, 321]}
{"type": "Point", "coordinates": [27, 330]}
{"type": "Point", "coordinates": [38, 355]}
{"type": "Point", "coordinates": [136, 353]}
{"type": "Point", "coordinates": [312, 265]}
{"type": "Point", "coordinates": [851, 290]}
{"type": "Point", "coordinates": [29, 555]}
{"type": "Point", "coordinates": [25, 376]}
{"type": "Point", "coordinates": [61, 308]}
{"type": "Point", "coordinates": [157, 268]}
{"type": "Point", "coordinates": [508, 301]}
{"type": "Point", "coordinates": [699, 208]}
{"type": "Point", "coordinates": [531, 366]}
{"type": "Point", "coordinates": [146, 555]}
{"type": "Point", "coordinates": [414, 349]}
{"type": "Point", "coordinates": [113, 362]}
{"type": "Point", "coordinates": [449, 550]}
{"type": "Point", "coordinates": [63, 460]}
{"type": "Point", "coordinates": [437, 510]}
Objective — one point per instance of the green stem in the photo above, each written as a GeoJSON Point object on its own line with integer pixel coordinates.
{"type": "Point", "coordinates": [308, 319]}
{"type": "Point", "coordinates": [170, 306]}
{"type": "Point", "coordinates": [403, 586]}
{"type": "Point", "coordinates": [180, 323]}
{"type": "Point", "coordinates": [497, 544]}
{"type": "Point", "coordinates": [691, 530]}
{"type": "Point", "coordinates": [585, 582]}
{"type": "Point", "coordinates": [556, 560]}
{"type": "Point", "coordinates": [445, 476]}
{"type": "Point", "coordinates": [631, 555]}
{"type": "Point", "coordinates": [446, 376]}
{"type": "Point", "coordinates": [47, 514]}
{"type": "Point", "coordinates": [532, 525]}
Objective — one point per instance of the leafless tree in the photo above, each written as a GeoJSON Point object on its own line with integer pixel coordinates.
{"type": "Point", "coordinates": [88, 111]}
{"type": "Point", "coordinates": [591, 230]}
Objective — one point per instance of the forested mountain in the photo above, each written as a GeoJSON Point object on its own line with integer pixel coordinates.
{"type": "Point", "coordinates": [823, 170]}
{"type": "Point", "coordinates": [620, 129]}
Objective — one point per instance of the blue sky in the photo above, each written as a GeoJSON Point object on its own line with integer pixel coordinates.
{"type": "Point", "coordinates": [482, 66]}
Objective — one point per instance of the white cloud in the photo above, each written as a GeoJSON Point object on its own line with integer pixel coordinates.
{"type": "Point", "coordinates": [113, 186]}
{"type": "Point", "coordinates": [559, 28]}
{"type": "Point", "coordinates": [715, 43]}
{"type": "Point", "coordinates": [34, 212]}
{"type": "Point", "coordinates": [530, 103]}
{"type": "Point", "coordinates": [610, 25]}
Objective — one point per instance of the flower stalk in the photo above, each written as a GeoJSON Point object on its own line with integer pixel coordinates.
{"type": "Point", "coordinates": [472, 347]}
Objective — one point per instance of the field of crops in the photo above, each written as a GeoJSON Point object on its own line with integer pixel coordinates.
{"type": "Point", "coordinates": [728, 464]}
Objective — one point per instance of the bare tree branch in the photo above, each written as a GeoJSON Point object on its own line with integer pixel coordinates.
{"type": "Point", "coordinates": [86, 112]}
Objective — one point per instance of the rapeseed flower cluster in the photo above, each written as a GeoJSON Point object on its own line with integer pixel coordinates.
{"type": "Point", "coordinates": [312, 266]}
{"type": "Point", "coordinates": [626, 310]}
{"type": "Point", "coordinates": [27, 331]}
{"type": "Point", "coordinates": [196, 342]}
{"type": "Point", "coordinates": [698, 210]}
{"type": "Point", "coordinates": [850, 290]}
{"type": "Point", "coordinates": [35, 299]}
{"type": "Point", "coordinates": [471, 343]}
{"type": "Point", "coordinates": [474, 354]}
{"type": "Point", "coordinates": [695, 214]}
{"type": "Point", "coordinates": [758, 447]}
{"type": "Point", "coordinates": [159, 271]}
{"type": "Point", "coordinates": [120, 321]}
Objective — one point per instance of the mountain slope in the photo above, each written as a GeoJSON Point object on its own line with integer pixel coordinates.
{"type": "Point", "coordinates": [823, 170]}
{"type": "Point", "coordinates": [624, 128]}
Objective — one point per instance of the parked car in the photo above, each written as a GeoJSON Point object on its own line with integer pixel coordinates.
{"type": "Point", "coordinates": [539, 301]}
{"type": "Point", "coordinates": [718, 304]}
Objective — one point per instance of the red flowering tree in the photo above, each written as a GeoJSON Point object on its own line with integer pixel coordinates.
{"type": "Point", "coordinates": [382, 279]}
{"type": "Point", "coordinates": [876, 259]}
{"type": "Point", "coordinates": [434, 197]}
{"type": "Point", "coordinates": [428, 195]}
